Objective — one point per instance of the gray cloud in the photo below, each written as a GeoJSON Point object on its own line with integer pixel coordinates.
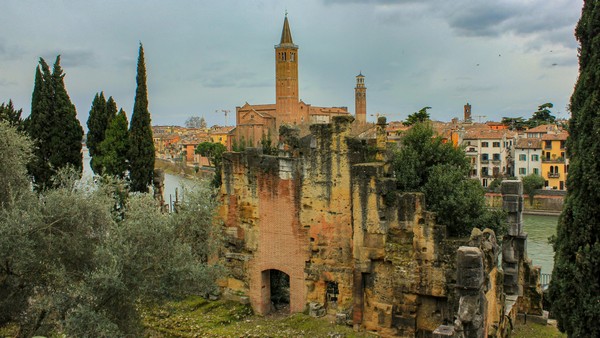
{"type": "Point", "coordinates": [9, 52]}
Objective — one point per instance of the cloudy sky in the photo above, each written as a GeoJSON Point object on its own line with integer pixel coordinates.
{"type": "Point", "coordinates": [505, 57]}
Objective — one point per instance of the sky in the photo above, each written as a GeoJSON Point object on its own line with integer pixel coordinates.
{"type": "Point", "coordinates": [504, 57]}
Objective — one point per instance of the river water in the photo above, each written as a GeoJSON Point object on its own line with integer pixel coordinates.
{"type": "Point", "coordinates": [538, 228]}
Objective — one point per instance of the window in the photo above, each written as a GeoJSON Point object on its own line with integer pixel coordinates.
{"type": "Point", "coordinates": [485, 183]}
{"type": "Point", "coordinates": [562, 154]}
{"type": "Point", "coordinates": [548, 144]}
{"type": "Point", "coordinates": [496, 157]}
{"type": "Point", "coordinates": [562, 144]}
{"type": "Point", "coordinates": [485, 144]}
{"type": "Point", "coordinates": [485, 157]}
{"type": "Point", "coordinates": [522, 171]}
{"type": "Point", "coordinates": [292, 56]}
{"type": "Point", "coordinates": [496, 144]}
{"type": "Point", "coordinates": [536, 171]}
{"type": "Point", "coordinates": [484, 172]}
{"type": "Point", "coordinates": [535, 158]}
{"type": "Point", "coordinates": [522, 157]}
{"type": "Point", "coordinates": [332, 292]}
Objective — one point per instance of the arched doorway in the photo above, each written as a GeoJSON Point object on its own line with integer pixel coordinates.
{"type": "Point", "coordinates": [278, 291]}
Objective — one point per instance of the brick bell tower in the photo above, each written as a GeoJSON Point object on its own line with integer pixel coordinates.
{"type": "Point", "coordinates": [360, 99]}
{"type": "Point", "coordinates": [286, 78]}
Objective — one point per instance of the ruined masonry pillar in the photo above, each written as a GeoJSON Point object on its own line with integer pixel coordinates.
{"type": "Point", "coordinates": [470, 278]}
{"type": "Point", "coordinates": [381, 138]}
{"type": "Point", "coordinates": [514, 249]}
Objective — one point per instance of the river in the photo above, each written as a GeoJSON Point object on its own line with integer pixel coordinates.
{"type": "Point", "coordinates": [539, 228]}
{"type": "Point", "coordinates": [173, 183]}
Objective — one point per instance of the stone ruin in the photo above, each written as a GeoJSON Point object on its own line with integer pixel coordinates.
{"type": "Point", "coordinates": [325, 216]}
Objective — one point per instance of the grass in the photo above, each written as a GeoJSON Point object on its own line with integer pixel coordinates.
{"type": "Point", "coordinates": [197, 317]}
{"type": "Point", "coordinates": [535, 330]}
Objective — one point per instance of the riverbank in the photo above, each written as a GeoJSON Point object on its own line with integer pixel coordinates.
{"type": "Point", "coordinates": [545, 202]}
{"type": "Point", "coordinates": [179, 169]}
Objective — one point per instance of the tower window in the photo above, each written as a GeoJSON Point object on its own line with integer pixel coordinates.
{"type": "Point", "coordinates": [292, 56]}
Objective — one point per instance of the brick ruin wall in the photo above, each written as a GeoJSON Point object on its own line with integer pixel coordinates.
{"type": "Point", "coordinates": [324, 213]}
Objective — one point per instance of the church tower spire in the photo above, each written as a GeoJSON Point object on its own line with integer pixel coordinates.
{"type": "Point", "coordinates": [360, 99]}
{"type": "Point", "coordinates": [286, 78]}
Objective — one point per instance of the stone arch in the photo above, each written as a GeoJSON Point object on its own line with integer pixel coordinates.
{"type": "Point", "coordinates": [276, 291]}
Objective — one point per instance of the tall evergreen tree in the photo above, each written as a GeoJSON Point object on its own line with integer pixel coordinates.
{"type": "Point", "coordinates": [9, 114]}
{"type": "Point", "coordinates": [115, 146]}
{"type": "Point", "coordinates": [575, 286]}
{"type": "Point", "coordinates": [101, 114]}
{"type": "Point", "coordinates": [53, 125]}
{"type": "Point", "coordinates": [141, 145]}
{"type": "Point", "coordinates": [96, 124]}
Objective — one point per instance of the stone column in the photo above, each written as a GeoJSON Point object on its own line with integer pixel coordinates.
{"type": "Point", "coordinates": [470, 270]}
{"type": "Point", "coordinates": [514, 248]}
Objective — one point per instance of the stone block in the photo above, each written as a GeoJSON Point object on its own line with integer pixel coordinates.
{"type": "Point", "coordinates": [469, 268]}
{"type": "Point", "coordinates": [512, 187]}
{"type": "Point", "coordinates": [341, 318]}
{"type": "Point", "coordinates": [316, 310]}
{"type": "Point", "coordinates": [443, 331]}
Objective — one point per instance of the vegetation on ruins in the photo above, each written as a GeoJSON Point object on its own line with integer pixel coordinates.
{"type": "Point", "coordinates": [115, 147]}
{"type": "Point", "coordinates": [531, 183]}
{"type": "Point", "coordinates": [417, 117]}
{"type": "Point", "coordinates": [424, 163]}
{"type": "Point", "coordinates": [575, 285]}
{"type": "Point", "coordinates": [214, 153]}
{"type": "Point", "coordinates": [53, 126]}
{"type": "Point", "coordinates": [141, 144]}
{"type": "Point", "coordinates": [11, 115]}
{"type": "Point", "coordinates": [72, 264]}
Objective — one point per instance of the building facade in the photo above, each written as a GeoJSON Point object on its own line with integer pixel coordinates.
{"type": "Point", "coordinates": [256, 122]}
{"type": "Point", "coordinates": [528, 157]}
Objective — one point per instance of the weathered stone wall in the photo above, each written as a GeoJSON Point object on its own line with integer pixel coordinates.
{"type": "Point", "coordinates": [331, 220]}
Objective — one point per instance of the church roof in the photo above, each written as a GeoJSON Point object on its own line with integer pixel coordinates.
{"type": "Point", "coordinates": [286, 35]}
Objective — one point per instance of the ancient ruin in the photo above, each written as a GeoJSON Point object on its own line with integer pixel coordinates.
{"type": "Point", "coordinates": [320, 227]}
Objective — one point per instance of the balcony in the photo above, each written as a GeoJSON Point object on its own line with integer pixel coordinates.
{"type": "Point", "coordinates": [471, 150]}
{"type": "Point", "coordinates": [487, 160]}
{"type": "Point", "coordinates": [553, 160]}
{"type": "Point", "coordinates": [553, 175]}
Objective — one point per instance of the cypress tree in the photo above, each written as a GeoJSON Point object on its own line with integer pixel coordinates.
{"type": "Point", "coordinates": [115, 146]}
{"type": "Point", "coordinates": [96, 124]}
{"type": "Point", "coordinates": [575, 285]}
{"type": "Point", "coordinates": [101, 114]}
{"type": "Point", "coordinates": [9, 114]}
{"type": "Point", "coordinates": [53, 125]}
{"type": "Point", "coordinates": [141, 145]}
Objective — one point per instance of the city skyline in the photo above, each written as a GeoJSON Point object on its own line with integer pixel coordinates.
{"type": "Point", "coordinates": [203, 57]}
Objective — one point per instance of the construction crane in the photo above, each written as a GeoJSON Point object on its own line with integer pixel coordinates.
{"type": "Point", "coordinates": [226, 112]}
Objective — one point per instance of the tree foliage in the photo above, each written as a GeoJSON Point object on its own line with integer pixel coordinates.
{"type": "Point", "coordinates": [101, 114]}
{"type": "Point", "coordinates": [417, 117]}
{"type": "Point", "coordinates": [53, 125]}
{"type": "Point", "coordinates": [195, 122]}
{"type": "Point", "coordinates": [115, 146]}
{"type": "Point", "coordinates": [214, 153]}
{"type": "Point", "coordinates": [424, 163]}
{"type": "Point", "coordinates": [11, 115]}
{"type": "Point", "coordinates": [515, 123]}
{"type": "Point", "coordinates": [73, 265]}
{"type": "Point", "coordinates": [15, 153]}
{"type": "Point", "coordinates": [531, 183]}
{"type": "Point", "coordinates": [575, 285]}
{"type": "Point", "coordinates": [542, 116]}
{"type": "Point", "coordinates": [141, 144]}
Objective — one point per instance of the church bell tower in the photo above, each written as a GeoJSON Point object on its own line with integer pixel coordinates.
{"type": "Point", "coordinates": [360, 99]}
{"type": "Point", "coordinates": [286, 78]}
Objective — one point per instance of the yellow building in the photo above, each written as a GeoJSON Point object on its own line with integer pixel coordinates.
{"type": "Point", "coordinates": [555, 165]}
{"type": "Point", "coordinates": [220, 135]}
